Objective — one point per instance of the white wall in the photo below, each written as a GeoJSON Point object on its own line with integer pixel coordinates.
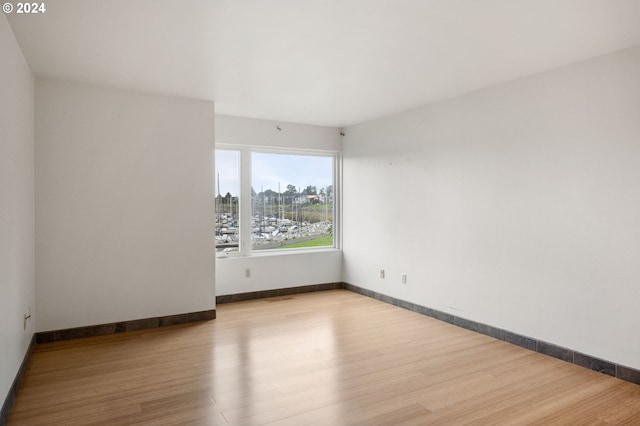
{"type": "Point", "coordinates": [274, 271]}
{"type": "Point", "coordinates": [124, 196]}
{"type": "Point", "coordinates": [249, 131]}
{"type": "Point", "coordinates": [16, 206]}
{"type": "Point", "coordinates": [277, 270]}
{"type": "Point", "coordinates": [517, 206]}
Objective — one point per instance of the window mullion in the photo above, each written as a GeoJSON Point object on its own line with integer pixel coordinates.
{"type": "Point", "coordinates": [245, 203]}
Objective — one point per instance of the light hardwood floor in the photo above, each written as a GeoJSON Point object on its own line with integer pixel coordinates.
{"type": "Point", "coordinates": [332, 357]}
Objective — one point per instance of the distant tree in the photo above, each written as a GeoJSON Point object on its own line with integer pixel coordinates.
{"type": "Point", "coordinates": [270, 195]}
{"type": "Point", "coordinates": [291, 191]}
{"type": "Point", "coordinates": [330, 193]}
{"type": "Point", "coordinates": [310, 190]}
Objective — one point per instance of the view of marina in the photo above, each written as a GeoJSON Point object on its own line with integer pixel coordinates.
{"type": "Point", "coordinates": [282, 216]}
{"type": "Point", "coordinates": [300, 220]}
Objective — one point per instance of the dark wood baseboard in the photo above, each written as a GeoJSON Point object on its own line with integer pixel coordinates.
{"type": "Point", "coordinates": [13, 390]}
{"type": "Point", "coordinates": [241, 297]}
{"type": "Point", "coordinates": [123, 326]}
{"type": "Point", "coordinates": [569, 355]}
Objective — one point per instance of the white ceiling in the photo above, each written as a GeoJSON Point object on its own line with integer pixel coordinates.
{"type": "Point", "coordinates": [328, 62]}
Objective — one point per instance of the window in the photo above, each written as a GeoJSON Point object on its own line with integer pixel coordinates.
{"type": "Point", "coordinates": [227, 200]}
{"type": "Point", "coordinates": [274, 200]}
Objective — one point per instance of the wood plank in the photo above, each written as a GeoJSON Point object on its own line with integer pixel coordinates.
{"type": "Point", "coordinates": [332, 357]}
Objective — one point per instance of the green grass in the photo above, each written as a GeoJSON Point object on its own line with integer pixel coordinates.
{"type": "Point", "coordinates": [316, 242]}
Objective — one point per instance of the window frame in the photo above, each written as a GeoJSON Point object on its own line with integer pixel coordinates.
{"type": "Point", "coordinates": [244, 186]}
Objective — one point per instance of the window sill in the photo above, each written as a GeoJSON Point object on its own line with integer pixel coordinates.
{"type": "Point", "coordinates": [280, 252]}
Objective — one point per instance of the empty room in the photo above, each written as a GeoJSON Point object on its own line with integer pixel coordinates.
{"type": "Point", "coordinates": [250, 212]}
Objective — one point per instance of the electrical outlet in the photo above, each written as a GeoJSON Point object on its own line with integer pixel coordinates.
{"type": "Point", "coordinates": [404, 278]}
{"type": "Point", "coordinates": [382, 273]}
{"type": "Point", "coordinates": [247, 273]}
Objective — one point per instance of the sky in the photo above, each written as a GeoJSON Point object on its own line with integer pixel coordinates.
{"type": "Point", "coordinates": [269, 169]}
